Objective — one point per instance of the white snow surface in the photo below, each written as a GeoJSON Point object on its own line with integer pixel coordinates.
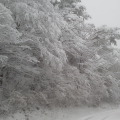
{"type": "Point", "coordinates": [108, 115]}
{"type": "Point", "coordinates": [101, 113]}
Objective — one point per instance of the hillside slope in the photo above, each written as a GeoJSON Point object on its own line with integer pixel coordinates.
{"type": "Point", "coordinates": [45, 60]}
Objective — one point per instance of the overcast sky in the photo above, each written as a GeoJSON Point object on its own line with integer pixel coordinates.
{"type": "Point", "coordinates": [104, 12]}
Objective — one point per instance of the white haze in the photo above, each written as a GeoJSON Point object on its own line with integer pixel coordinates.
{"type": "Point", "coordinates": [104, 12]}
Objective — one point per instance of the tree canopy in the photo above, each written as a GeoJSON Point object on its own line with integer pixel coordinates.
{"type": "Point", "coordinates": [49, 56]}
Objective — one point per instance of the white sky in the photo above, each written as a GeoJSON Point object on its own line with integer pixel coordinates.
{"type": "Point", "coordinates": [104, 12]}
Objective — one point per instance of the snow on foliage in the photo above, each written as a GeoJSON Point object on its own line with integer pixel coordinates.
{"type": "Point", "coordinates": [5, 16]}
{"type": "Point", "coordinates": [51, 57]}
{"type": "Point", "coordinates": [8, 34]}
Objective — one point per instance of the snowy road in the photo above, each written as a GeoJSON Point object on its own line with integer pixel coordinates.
{"type": "Point", "coordinates": [68, 114]}
{"type": "Point", "coordinates": [108, 115]}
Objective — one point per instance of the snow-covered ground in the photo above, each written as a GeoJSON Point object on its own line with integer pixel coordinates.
{"type": "Point", "coordinates": [101, 113]}
{"type": "Point", "coordinates": [108, 115]}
